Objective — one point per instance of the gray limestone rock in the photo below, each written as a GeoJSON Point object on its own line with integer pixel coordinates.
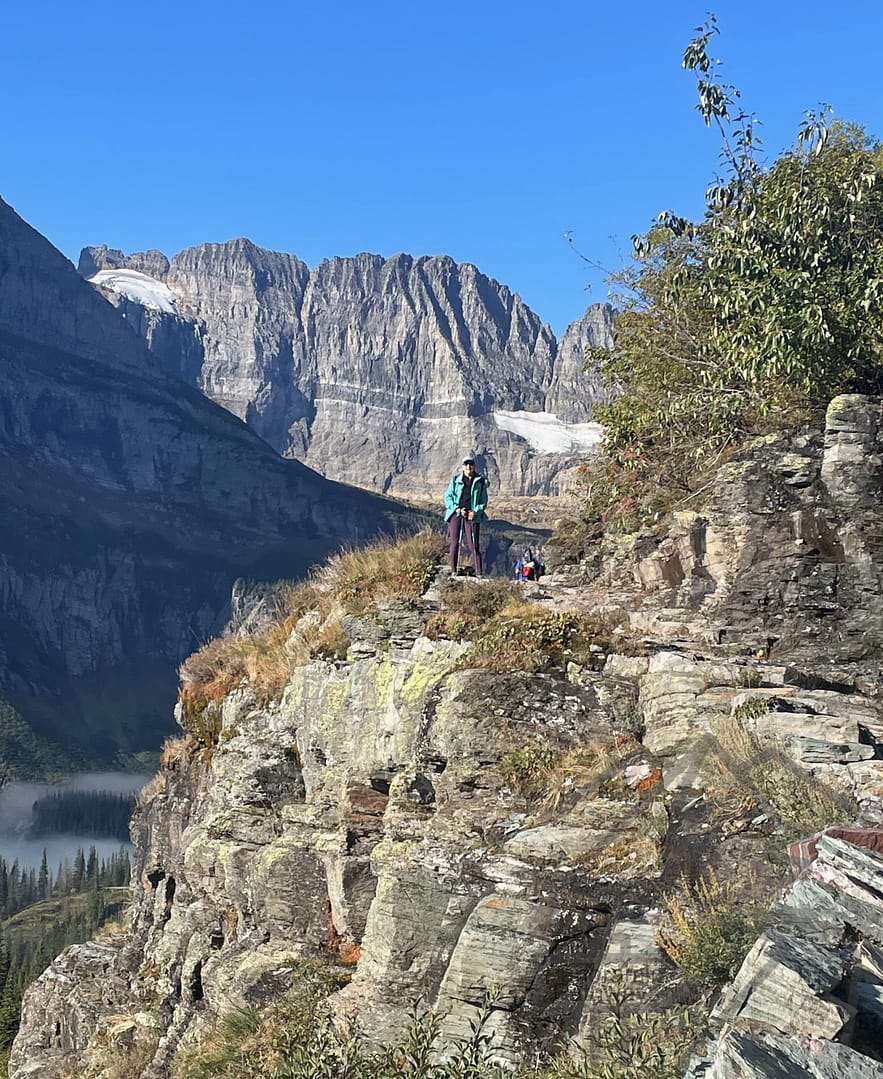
{"type": "Point", "coordinates": [785, 983]}
{"type": "Point", "coordinates": [93, 259]}
{"type": "Point", "coordinates": [783, 561]}
{"type": "Point", "coordinates": [374, 813]}
{"type": "Point", "coordinates": [635, 972]}
{"type": "Point", "coordinates": [816, 980]}
{"type": "Point", "coordinates": [379, 372]}
{"type": "Point", "coordinates": [366, 815]}
{"type": "Point", "coordinates": [771, 1056]}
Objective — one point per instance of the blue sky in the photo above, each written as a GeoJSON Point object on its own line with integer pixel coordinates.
{"type": "Point", "coordinates": [477, 129]}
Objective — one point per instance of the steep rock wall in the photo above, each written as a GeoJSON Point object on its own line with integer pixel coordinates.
{"type": "Point", "coordinates": [371, 813]}
{"type": "Point", "coordinates": [380, 372]}
{"type": "Point", "coordinates": [786, 557]}
{"type": "Point", "coordinates": [370, 816]}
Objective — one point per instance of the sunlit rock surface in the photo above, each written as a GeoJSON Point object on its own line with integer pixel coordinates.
{"type": "Point", "coordinates": [375, 371]}
{"type": "Point", "coordinates": [371, 814]}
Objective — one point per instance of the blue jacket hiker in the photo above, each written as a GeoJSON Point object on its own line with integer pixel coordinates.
{"type": "Point", "coordinates": [465, 505]}
{"type": "Point", "coordinates": [529, 567]}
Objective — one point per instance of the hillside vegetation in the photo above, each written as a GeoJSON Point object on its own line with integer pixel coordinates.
{"type": "Point", "coordinates": [43, 913]}
{"type": "Point", "coordinates": [748, 321]}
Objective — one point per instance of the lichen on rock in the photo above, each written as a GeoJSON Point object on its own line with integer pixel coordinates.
{"type": "Point", "coordinates": [509, 839]}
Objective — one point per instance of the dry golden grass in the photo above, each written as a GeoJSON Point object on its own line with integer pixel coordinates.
{"type": "Point", "coordinates": [154, 787]}
{"type": "Point", "coordinates": [551, 777]}
{"type": "Point", "coordinates": [175, 751]}
{"type": "Point", "coordinates": [749, 772]}
{"type": "Point", "coordinates": [629, 857]}
{"type": "Point", "coordinates": [308, 624]}
{"type": "Point", "coordinates": [363, 578]}
{"type": "Point", "coordinates": [710, 925]}
{"type": "Point", "coordinates": [467, 606]}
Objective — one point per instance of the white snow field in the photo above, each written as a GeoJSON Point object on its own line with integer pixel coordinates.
{"type": "Point", "coordinates": [139, 287]}
{"type": "Point", "coordinates": [547, 434]}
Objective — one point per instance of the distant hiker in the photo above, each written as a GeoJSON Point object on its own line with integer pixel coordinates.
{"type": "Point", "coordinates": [529, 567]}
{"type": "Point", "coordinates": [465, 503]}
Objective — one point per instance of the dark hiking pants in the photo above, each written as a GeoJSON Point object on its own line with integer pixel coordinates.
{"type": "Point", "coordinates": [471, 531]}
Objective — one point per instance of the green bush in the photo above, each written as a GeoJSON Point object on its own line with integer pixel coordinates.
{"type": "Point", "coordinates": [296, 1038]}
{"type": "Point", "coordinates": [748, 321]}
{"type": "Point", "coordinates": [525, 637]}
{"type": "Point", "coordinates": [527, 770]}
{"type": "Point", "coordinates": [529, 637]}
{"type": "Point", "coordinates": [627, 1044]}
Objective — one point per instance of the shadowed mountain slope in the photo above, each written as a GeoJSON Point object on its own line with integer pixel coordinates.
{"type": "Point", "coordinates": [130, 504]}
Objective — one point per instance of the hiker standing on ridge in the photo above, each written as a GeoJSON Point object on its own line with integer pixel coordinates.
{"type": "Point", "coordinates": [465, 503]}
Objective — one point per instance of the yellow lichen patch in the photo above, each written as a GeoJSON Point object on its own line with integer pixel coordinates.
{"type": "Point", "coordinates": [336, 687]}
{"type": "Point", "coordinates": [430, 667]}
{"type": "Point", "coordinates": [382, 672]}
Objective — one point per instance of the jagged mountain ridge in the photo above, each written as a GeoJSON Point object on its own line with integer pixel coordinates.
{"type": "Point", "coordinates": [377, 371]}
{"type": "Point", "coordinates": [130, 504]}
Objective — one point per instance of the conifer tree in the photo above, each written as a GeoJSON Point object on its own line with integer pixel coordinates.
{"type": "Point", "coordinates": [92, 867]}
{"type": "Point", "coordinates": [79, 870]}
{"type": "Point", "coordinates": [43, 884]}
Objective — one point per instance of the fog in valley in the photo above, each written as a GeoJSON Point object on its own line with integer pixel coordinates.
{"type": "Point", "coordinates": [16, 802]}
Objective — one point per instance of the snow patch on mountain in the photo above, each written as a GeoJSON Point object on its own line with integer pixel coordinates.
{"type": "Point", "coordinates": [139, 287]}
{"type": "Point", "coordinates": [547, 434]}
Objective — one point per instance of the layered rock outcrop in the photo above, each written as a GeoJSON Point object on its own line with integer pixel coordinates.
{"type": "Point", "coordinates": [366, 814]}
{"type": "Point", "coordinates": [379, 372]}
{"type": "Point", "coordinates": [807, 999]}
{"type": "Point", "coordinates": [377, 812]}
{"type": "Point", "coordinates": [784, 557]}
{"type": "Point", "coordinates": [130, 504]}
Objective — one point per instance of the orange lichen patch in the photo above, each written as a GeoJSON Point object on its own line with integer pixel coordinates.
{"type": "Point", "coordinates": [649, 782]}
{"type": "Point", "coordinates": [350, 952]}
{"type": "Point", "coordinates": [497, 902]}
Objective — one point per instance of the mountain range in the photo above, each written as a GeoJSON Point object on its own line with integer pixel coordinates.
{"type": "Point", "coordinates": [381, 372]}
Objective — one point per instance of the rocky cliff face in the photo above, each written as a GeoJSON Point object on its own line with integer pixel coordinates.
{"type": "Point", "coordinates": [384, 811]}
{"type": "Point", "coordinates": [130, 503]}
{"type": "Point", "coordinates": [786, 556]}
{"type": "Point", "coordinates": [379, 372]}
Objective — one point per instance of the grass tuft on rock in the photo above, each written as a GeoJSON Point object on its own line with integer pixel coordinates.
{"type": "Point", "coordinates": [307, 622]}
{"type": "Point", "coordinates": [525, 636]}
{"type": "Point", "coordinates": [467, 606]}
{"type": "Point", "coordinates": [709, 927]}
{"type": "Point", "coordinates": [752, 773]}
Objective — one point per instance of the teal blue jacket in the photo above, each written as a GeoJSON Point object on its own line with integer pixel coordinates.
{"type": "Point", "coordinates": [478, 498]}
